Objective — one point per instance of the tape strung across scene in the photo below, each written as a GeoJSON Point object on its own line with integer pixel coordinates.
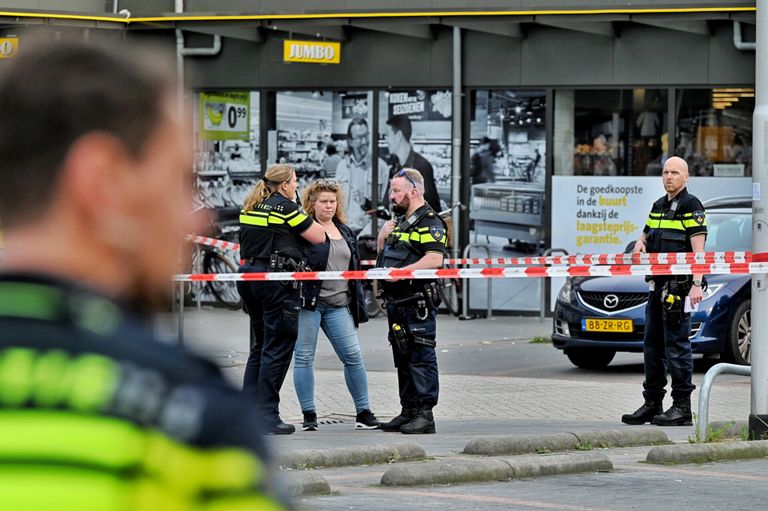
{"type": "Point", "coordinates": [576, 259]}
{"type": "Point", "coordinates": [498, 273]}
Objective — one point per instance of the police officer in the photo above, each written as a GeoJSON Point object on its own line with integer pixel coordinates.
{"type": "Point", "coordinates": [677, 223]}
{"type": "Point", "coordinates": [415, 240]}
{"type": "Point", "coordinates": [274, 232]}
{"type": "Point", "coordinates": [96, 412]}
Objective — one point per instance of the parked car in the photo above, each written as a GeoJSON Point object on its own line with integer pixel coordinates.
{"type": "Point", "coordinates": [721, 326]}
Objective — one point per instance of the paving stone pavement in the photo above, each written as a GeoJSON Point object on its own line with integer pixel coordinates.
{"type": "Point", "coordinates": [222, 335]}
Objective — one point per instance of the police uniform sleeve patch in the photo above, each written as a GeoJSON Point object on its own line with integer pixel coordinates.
{"type": "Point", "coordinates": [437, 232]}
{"type": "Point", "coordinates": [698, 217]}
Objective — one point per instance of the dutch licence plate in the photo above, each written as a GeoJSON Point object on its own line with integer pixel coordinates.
{"type": "Point", "coordinates": [606, 325]}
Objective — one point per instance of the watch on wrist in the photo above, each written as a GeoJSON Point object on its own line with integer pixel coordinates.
{"type": "Point", "coordinates": [697, 283]}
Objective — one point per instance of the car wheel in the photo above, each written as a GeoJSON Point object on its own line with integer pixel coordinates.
{"type": "Point", "coordinates": [738, 348]}
{"type": "Point", "coordinates": [590, 358]}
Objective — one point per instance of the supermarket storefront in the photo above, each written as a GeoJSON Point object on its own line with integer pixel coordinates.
{"type": "Point", "coordinates": [550, 101]}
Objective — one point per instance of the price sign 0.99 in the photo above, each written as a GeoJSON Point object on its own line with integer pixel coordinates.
{"type": "Point", "coordinates": [9, 46]}
{"type": "Point", "coordinates": [225, 115]}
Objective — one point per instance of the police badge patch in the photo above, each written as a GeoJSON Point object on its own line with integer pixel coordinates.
{"type": "Point", "coordinates": [698, 216]}
{"type": "Point", "coordinates": [436, 232]}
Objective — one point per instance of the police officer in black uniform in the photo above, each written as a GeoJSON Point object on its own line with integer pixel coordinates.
{"type": "Point", "coordinates": [415, 240]}
{"type": "Point", "coordinates": [274, 235]}
{"type": "Point", "coordinates": [676, 223]}
{"type": "Point", "coordinates": [96, 412]}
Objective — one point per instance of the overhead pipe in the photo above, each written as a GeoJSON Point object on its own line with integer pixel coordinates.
{"type": "Point", "coordinates": [456, 132]}
{"type": "Point", "coordinates": [737, 40]}
{"type": "Point", "coordinates": [194, 52]}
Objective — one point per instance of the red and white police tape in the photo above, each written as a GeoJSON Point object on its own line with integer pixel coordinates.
{"type": "Point", "coordinates": [212, 242]}
{"type": "Point", "coordinates": [494, 273]}
{"type": "Point", "coordinates": [576, 259]}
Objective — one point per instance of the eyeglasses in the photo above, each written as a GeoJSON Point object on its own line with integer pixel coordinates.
{"type": "Point", "coordinates": [364, 136]}
{"type": "Point", "coordinates": [404, 174]}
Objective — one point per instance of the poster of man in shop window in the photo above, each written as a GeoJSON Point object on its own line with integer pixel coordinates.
{"type": "Point", "coordinates": [417, 134]}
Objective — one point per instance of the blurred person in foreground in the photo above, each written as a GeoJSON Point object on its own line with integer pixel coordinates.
{"type": "Point", "coordinates": [414, 240]}
{"type": "Point", "coordinates": [95, 412]}
{"type": "Point", "coordinates": [336, 306]}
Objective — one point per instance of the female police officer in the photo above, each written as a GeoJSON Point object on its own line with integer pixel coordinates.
{"type": "Point", "coordinates": [272, 226]}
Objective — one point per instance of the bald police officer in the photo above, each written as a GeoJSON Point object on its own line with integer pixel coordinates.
{"type": "Point", "coordinates": [676, 223]}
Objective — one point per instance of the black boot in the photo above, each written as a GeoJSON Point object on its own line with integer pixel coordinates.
{"type": "Point", "coordinates": [406, 414]}
{"type": "Point", "coordinates": [423, 423]}
{"type": "Point", "coordinates": [644, 414]}
{"type": "Point", "coordinates": [679, 414]}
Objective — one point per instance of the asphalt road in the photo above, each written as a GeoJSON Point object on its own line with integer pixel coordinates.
{"type": "Point", "coordinates": [499, 347]}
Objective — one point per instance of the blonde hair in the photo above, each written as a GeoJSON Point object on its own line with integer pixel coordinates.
{"type": "Point", "coordinates": [269, 184]}
{"type": "Point", "coordinates": [313, 191]}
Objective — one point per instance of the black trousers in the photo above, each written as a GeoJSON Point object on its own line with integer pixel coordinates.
{"type": "Point", "coordinates": [666, 349]}
{"type": "Point", "coordinates": [273, 309]}
{"type": "Point", "coordinates": [417, 375]}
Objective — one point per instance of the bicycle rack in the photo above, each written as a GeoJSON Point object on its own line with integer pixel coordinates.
{"type": "Point", "coordinates": [702, 423]}
{"type": "Point", "coordinates": [545, 281]}
{"type": "Point", "coordinates": [465, 289]}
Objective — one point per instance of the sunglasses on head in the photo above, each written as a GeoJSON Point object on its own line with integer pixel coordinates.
{"type": "Point", "coordinates": [404, 174]}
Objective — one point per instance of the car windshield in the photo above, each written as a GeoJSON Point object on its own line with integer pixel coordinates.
{"type": "Point", "coordinates": [729, 232]}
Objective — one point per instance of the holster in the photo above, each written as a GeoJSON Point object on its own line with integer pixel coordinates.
{"type": "Point", "coordinates": [399, 338]}
{"type": "Point", "coordinates": [673, 295]}
{"type": "Point", "coordinates": [280, 263]}
{"type": "Point", "coordinates": [403, 339]}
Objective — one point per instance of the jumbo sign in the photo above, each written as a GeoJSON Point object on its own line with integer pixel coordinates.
{"type": "Point", "coordinates": [311, 52]}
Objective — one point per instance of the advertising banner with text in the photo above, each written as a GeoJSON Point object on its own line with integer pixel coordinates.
{"type": "Point", "coordinates": [603, 214]}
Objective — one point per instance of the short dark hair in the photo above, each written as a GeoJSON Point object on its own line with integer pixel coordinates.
{"type": "Point", "coordinates": [52, 94]}
{"type": "Point", "coordinates": [356, 121]}
{"type": "Point", "coordinates": [402, 124]}
{"type": "Point", "coordinates": [330, 150]}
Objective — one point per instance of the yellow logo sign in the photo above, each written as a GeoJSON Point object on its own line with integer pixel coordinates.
{"type": "Point", "coordinates": [8, 47]}
{"type": "Point", "coordinates": [312, 51]}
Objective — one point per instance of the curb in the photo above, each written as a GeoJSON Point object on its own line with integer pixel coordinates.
{"type": "Point", "coordinates": [346, 456]}
{"type": "Point", "coordinates": [300, 484]}
{"type": "Point", "coordinates": [704, 453]}
{"type": "Point", "coordinates": [495, 446]}
{"type": "Point", "coordinates": [495, 470]}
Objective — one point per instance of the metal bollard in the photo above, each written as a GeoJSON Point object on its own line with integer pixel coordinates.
{"type": "Point", "coordinates": [702, 423]}
{"type": "Point", "coordinates": [198, 269]}
{"type": "Point", "coordinates": [465, 290]}
{"type": "Point", "coordinates": [545, 281]}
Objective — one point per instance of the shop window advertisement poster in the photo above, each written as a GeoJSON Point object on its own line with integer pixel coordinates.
{"type": "Point", "coordinates": [225, 115]}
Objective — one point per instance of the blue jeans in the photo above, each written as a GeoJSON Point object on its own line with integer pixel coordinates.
{"type": "Point", "coordinates": [338, 326]}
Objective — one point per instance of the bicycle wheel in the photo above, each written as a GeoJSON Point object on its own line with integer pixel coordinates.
{"type": "Point", "coordinates": [450, 293]}
{"type": "Point", "coordinates": [371, 304]}
{"type": "Point", "coordinates": [224, 292]}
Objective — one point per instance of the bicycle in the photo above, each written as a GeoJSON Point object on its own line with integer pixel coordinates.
{"type": "Point", "coordinates": [450, 289]}
{"type": "Point", "coordinates": [211, 260]}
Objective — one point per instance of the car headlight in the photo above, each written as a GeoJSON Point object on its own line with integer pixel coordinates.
{"type": "Point", "coordinates": [711, 291]}
{"type": "Point", "coordinates": [566, 292]}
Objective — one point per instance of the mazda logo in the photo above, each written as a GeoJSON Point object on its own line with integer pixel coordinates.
{"type": "Point", "coordinates": [611, 301]}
